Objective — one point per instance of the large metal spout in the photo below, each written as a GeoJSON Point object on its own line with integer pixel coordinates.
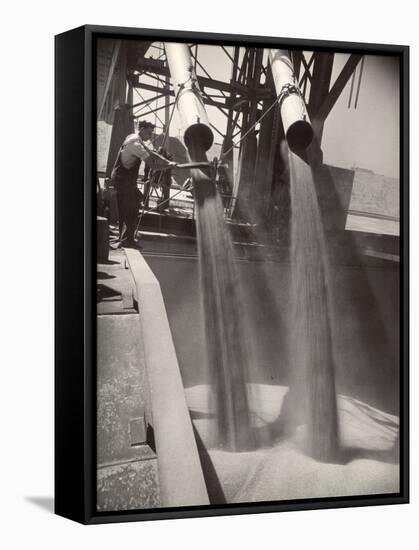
{"type": "Point", "coordinates": [194, 120]}
{"type": "Point", "coordinates": [295, 119]}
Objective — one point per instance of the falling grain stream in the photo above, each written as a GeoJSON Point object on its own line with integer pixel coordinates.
{"type": "Point", "coordinates": [312, 382]}
{"type": "Point", "coordinates": [311, 338]}
{"type": "Point", "coordinates": [222, 307]}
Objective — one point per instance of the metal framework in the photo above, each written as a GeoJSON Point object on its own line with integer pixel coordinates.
{"type": "Point", "coordinates": [242, 100]}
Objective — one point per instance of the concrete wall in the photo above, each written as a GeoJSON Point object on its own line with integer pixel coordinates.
{"type": "Point", "coordinates": [127, 476]}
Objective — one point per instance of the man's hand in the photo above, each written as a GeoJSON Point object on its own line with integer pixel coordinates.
{"type": "Point", "coordinates": [172, 164]}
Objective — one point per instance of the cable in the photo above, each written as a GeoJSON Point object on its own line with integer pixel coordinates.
{"type": "Point", "coordinates": [286, 90]}
{"type": "Point", "coordinates": [359, 82]}
{"type": "Point", "coordinates": [278, 100]}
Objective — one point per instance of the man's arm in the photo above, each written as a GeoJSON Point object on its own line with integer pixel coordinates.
{"type": "Point", "coordinates": [157, 162]}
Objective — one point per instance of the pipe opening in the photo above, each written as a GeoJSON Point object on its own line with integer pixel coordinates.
{"type": "Point", "coordinates": [198, 136]}
{"type": "Point", "coordinates": [299, 136]}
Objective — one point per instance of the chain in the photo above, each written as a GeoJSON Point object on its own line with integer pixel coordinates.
{"type": "Point", "coordinates": [250, 129]}
{"type": "Point", "coordinates": [286, 90]}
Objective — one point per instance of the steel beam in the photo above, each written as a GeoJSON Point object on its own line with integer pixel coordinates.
{"type": "Point", "coordinates": [270, 130]}
{"type": "Point", "coordinates": [208, 82]}
{"type": "Point", "coordinates": [296, 60]}
{"type": "Point", "coordinates": [151, 88]}
{"type": "Point", "coordinates": [320, 84]}
{"type": "Point", "coordinates": [155, 110]}
{"type": "Point", "coordinates": [248, 147]}
{"type": "Point", "coordinates": [338, 86]}
{"type": "Point", "coordinates": [110, 77]}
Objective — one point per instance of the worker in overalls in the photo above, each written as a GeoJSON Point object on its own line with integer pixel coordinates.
{"type": "Point", "coordinates": [124, 178]}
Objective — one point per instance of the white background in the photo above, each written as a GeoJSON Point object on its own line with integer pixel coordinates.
{"type": "Point", "coordinates": [26, 183]}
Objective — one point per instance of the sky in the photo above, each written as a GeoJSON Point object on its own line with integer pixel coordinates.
{"type": "Point", "coordinates": [366, 137]}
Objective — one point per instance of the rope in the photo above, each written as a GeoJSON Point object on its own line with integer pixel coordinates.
{"type": "Point", "coordinates": [244, 136]}
{"type": "Point", "coordinates": [286, 90]}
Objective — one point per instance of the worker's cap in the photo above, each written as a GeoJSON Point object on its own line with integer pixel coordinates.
{"type": "Point", "coordinates": [146, 124]}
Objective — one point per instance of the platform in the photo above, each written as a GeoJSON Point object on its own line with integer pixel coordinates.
{"type": "Point", "coordinates": [126, 459]}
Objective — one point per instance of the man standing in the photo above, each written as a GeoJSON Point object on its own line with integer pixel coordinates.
{"type": "Point", "coordinates": [124, 178]}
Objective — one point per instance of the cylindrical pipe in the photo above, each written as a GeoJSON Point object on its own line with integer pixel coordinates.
{"type": "Point", "coordinates": [295, 119]}
{"type": "Point", "coordinates": [194, 120]}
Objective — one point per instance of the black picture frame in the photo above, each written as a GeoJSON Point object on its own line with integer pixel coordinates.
{"type": "Point", "coordinates": [75, 389]}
